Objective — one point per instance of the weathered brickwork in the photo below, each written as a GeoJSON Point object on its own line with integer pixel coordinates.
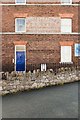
{"type": "Point", "coordinates": [37, 1]}
{"type": "Point", "coordinates": [9, 12]}
{"type": "Point", "coordinates": [43, 24]}
{"type": "Point", "coordinates": [40, 48]}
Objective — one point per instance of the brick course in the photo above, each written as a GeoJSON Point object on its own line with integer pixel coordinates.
{"type": "Point", "coordinates": [38, 1]}
{"type": "Point", "coordinates": [36, 11]}
{"type": "Point", "coordinates": [40, 48]}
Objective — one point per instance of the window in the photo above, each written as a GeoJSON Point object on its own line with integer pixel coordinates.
{"type": "Point", "coordinates": [43, 67]}
{"type": "Point", "coordinates": [66, 54]}
{"type": "Point", "coordinates": [20, 1]}
{"type": "Point", "coordinates": [77, 50]}
{"type": "Point", "coordinates": [66, 25]}
{"type": "Point", "coordinates": [20, 24]}
{"type": "Point", "coordinates": [66, 1]}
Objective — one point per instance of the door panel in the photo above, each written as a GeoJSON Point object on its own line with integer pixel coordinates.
{"type": "Point", "coordinates": [20, 60]}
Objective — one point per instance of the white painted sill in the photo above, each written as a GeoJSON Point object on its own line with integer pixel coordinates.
{"type": "Point", "coordinates": [66, 62]}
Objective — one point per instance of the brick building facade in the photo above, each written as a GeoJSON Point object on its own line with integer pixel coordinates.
{"type": "Point", "coordinates": [39, 32]}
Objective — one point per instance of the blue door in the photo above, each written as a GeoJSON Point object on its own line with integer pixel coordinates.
{"type": "Point", "coordinates": [20, 60]}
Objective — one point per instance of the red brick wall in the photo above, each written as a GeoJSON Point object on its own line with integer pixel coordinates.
{"type": "Point", "coordinates": [9, 12]}
{"type": "Point", "coordinates": [39, 48]}
{"type": "Point", "coordinates": [38, 1]}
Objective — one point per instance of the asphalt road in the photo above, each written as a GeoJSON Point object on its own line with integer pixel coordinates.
{"type": "Point", "coordinates": [50, 102]}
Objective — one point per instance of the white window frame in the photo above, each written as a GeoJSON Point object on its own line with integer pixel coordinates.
{"type": "Point", "coordinates": [65, 3]}
{"type": "Point", "coordinates": [70, 55]}
{"type": "Point", "coordinates": [25, 55]}
{"type": "Point", "coordinates": [43, 67]}
{"type": "Point", "coordinates": [16, 25]}
{"type": "Point", "coordinates": [65, 26]}
{"type": "Point", "coordinates": [20, 3]}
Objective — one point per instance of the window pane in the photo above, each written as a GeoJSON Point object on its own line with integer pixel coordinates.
{"type": "Point", "coordinates": [20, 24]}
{"type": "Point", "coordinates": [20, 1]}
{"type": "Point", "coordinates": [66, 1]}
{"type": "Point", "coordinates": [66, 21]}
{"type": "Point", "coordinates": [77, 49]}
{"type": "Point", "coordinates": [66, 25]}
{"type": "Point", "coordinates": [65, 29]}
{"type": "Point", "coordinates": [65, 53]}
{"type": "Point", "coordinates": [21, 21]}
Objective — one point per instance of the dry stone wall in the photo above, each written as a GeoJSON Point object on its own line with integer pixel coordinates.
{"type": "Point", "coordinates": [14, 82]}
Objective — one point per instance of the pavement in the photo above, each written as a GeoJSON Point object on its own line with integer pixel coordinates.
{"type": "Point", "coordinates": [49, 102]}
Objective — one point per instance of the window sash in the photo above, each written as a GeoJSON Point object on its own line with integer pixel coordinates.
{"type": "Point", "coordinates": [66, 25]}
{"type": "Point", "coordinates": [66, 1]}
{"type": "Point", "coordinates": [20, 1]}
{"type": "Point", "coordinates": [66, 21]}
{"type": "Point", "coordinates": [66, 55]}
{"type": "Point", "coordinates": [77, 50]}
{"type": "Point", "coordinates": [20, 24]}
{"type": "Point", "coordinates": [65, 29]}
